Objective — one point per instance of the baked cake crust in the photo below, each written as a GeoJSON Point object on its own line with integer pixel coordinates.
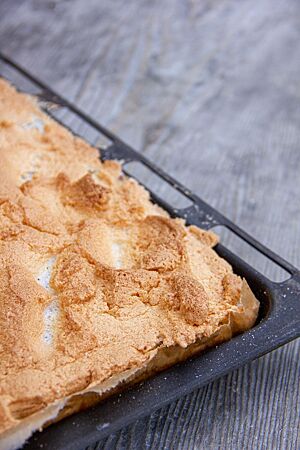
{"type": "Point", "coordinates": [96, 282]}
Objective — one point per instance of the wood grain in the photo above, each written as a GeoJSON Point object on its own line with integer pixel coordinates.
{"type": "Point", "coordinates": [210, 90]}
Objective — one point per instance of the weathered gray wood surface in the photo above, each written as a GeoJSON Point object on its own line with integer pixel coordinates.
{"type": "Point", "coordinates": [210, 90]}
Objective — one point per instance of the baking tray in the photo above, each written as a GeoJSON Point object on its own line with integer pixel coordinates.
{"type": "Point", "coordinates": [277, 324]}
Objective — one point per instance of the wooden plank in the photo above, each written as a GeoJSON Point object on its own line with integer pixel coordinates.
{"type": "Point", "coordinates": [210, 91]}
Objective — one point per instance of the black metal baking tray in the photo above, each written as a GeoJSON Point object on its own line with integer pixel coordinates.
{"type": "Point", "coordinates": [278, 322]}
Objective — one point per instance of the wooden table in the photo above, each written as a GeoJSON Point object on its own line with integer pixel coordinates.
{"type": "Point", "coordinates": [210, 90]}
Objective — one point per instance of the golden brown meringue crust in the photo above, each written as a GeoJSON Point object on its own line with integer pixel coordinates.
{"type": "Point", "coordinates": [127, 280]}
